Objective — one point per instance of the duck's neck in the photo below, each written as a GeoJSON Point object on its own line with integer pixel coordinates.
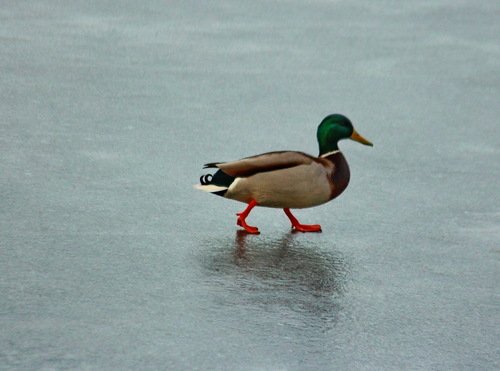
{"type": "Point", "coordinates": [327, 148]}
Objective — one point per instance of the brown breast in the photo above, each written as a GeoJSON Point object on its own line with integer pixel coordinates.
{"type": "Point", "coordinates": [340, 174]}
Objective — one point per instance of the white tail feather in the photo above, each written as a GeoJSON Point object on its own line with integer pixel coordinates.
{"type": "Point", "coordinates": [209, 188]}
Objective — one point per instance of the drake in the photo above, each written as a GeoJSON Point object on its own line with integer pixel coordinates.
{"type": "Point", "coordinates": [287, 179]}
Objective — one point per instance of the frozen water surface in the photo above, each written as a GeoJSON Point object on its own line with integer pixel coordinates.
{"type": "Point", "coordinates": [110, 260]}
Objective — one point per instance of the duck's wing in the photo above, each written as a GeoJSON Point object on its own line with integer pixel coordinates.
{"type": "Point", "coordinates": [262, 163]}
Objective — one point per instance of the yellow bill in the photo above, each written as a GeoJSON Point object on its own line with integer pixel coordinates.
{"type": "Point", "coordinates": [358, 138]}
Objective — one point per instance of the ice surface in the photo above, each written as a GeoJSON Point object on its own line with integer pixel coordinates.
{"type": "Point", "coordinates": [110, 260]}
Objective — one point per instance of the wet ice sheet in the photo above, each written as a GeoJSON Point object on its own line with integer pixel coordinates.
{"type": "Point", "coordinates": [110, 259]}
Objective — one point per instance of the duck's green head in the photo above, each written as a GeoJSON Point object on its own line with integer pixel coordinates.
{"type": "Point", "coordinates": [334, 128]}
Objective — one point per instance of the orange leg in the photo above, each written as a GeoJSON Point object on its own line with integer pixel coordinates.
{"type": "Point", "coordinates": [301, 227]}
{"type": "Point", "coordinates": [243, 215]}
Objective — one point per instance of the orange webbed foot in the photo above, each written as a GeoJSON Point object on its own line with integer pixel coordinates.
{"type": "Point", "coordinates": [241, 221]}
{"type": "Point", "coordinates": [250, 229]}
{"type": "Point", "coordinates": [296, 226]}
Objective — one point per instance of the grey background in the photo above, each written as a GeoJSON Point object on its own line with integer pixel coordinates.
{"type": "Point", "coordinates": [110, 260]}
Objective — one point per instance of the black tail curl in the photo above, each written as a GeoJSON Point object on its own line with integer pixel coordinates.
{"type": "Point", "coordinates": [211, 165]}
{"type": "Point", "coordinates": [206, 179]}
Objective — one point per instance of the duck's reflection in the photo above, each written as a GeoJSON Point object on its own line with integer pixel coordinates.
{"type": "Point", "coordinates": [240, 245]}
{"type": "Point", "coordinates": [293, 271]}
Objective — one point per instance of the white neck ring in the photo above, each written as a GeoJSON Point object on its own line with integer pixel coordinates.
{"type": "Point", "coordinates": [329, 153]}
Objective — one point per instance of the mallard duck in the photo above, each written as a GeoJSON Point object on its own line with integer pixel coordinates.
{"type": "Point", "coordinates": [287, 179]}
